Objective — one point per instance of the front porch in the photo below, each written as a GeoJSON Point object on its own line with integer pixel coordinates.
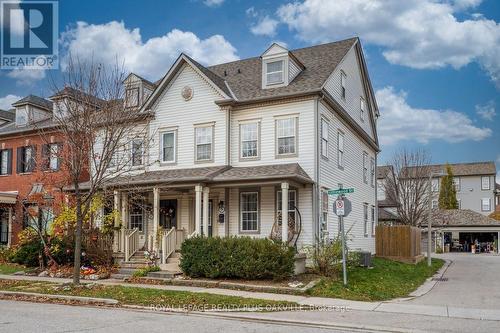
{"type": "Point", "coordinates": [159, 217]}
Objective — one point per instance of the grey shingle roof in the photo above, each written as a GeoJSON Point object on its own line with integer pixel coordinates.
{"type": "Point", "coordinates": [7, 115]}
{"type": "Point", "coordinates": [274, 171]}
{"type": "Point", "coordinates": [466, 169]}
{"type": "Point", "coordinates": [385, 215]}
{"type": "Point", "coordinates": [383, 171]}
{"type": "Point", "coordinates": [34, 100]}
{"type": "Point", "coordinates": [245, 76]}
{"type": "Point", "coordinates": [77, 94]}
{"type": "Point", "coordinates": [11, 128]}
{"type": "Point", "coordinates": [460, 217]}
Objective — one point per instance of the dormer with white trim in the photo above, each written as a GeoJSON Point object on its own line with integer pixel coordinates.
{"type": "Point", "coordinates": [137, 90]}
{"type": "Point", "coordinates": [32, 109]}
{"type": "Point", "coordinates": [279, 67]}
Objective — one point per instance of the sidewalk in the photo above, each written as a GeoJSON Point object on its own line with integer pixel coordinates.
{"type": "Point", "coordinates": [396, 306]}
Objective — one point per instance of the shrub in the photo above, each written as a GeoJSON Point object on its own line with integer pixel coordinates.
{"type": "Point", "coordinates": [236, 257]}
{"type": "Point", "coordinates": [144, 271]}
{"type": "Point", "coordinates": [327, 257]}
{"type": "Point", "coordinates": [28, 253]}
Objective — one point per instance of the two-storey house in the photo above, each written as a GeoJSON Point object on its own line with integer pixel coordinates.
{"type": "Point", "coordinates": [232, 148]}
{"type": "Point", "coordinates": [31, 172]}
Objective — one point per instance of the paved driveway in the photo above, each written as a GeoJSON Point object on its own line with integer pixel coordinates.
{"type": "Point", "coordinates": [473, 282]}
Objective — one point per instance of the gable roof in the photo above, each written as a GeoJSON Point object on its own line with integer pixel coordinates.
{"type": "Point", "coordinates": [464, 169]}
{"type": "Point", "coordinates": [77, 94]}
{"type": "Point", "coordinates": [36, 101]}
{"type": "Point", "coordinates": [383, 171]}
{"type": "Point", "coordinates": [460, 217]}
{"type": "Point", "coordinates": [244, 77]}
{"type": "Point", "coordinates": [7, 115]}
{"type": "Point", "coordinates": [219, 82]}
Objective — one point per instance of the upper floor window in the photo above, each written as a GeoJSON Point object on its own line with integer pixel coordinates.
{"type": "Point", "coordinates": [343, 79]}
{"type": "Point", "coordinates": [25, 159]}
{"type": "Point", "coordinates": [435, 184]}
{"type": "Point", "coordinates": [275, 72]}
{"type": "Point", "coordinates": [324, 137]}
{"type": "Point", "coordinates": [249, 136]}
{"type": "Point", "coordinates": [21, 116]}
{"type": "Point", "coordinates": [362, 107]}
{"type": "Point", "coordinates": [286, 133]}
{"type": "Point", "coordinates": [204, 143]}
{"type": "Point", "coordinates": [51, 156]}
{"type": "Point", "coordinates": [372, 171]}
{"type": "Point", "coordinates": [373, 220]}
{"type": "Point", "coordinates": [365, 167]}
{"type": "Point", "coordinates": [137, 152]}
{"type": "Point", "coordinates": [456, 183]}
{"type": "Point", "coordinates": [485, 204]}
{"type": "Point", "coordinates": [168, 146]}
{"type": "Point", "coordinates": [249, 211]}
{"type": "Point", "coordinates": [485, 183]}
{"type": "Point", "coordinates": [365, 219]}
{"type": "Point", "coordinates": [340, 149]}
{"type": "Point", "coordinates": [132, 97]}
{"type": "Point", "coordinates": [5, 161]}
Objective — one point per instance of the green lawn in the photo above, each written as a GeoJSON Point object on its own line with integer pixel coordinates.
{"type": "Point", "coordinates": [7, 268]}
{"type": "Point", "coordinates": [386, 280]}
{"type": "Point", "coordinates": [141, 296]}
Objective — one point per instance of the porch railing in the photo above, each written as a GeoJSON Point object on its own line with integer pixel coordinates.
{"type": "Point", "coordinates": [131, 243]}
{"type": "Point", "coordinates": [168, 244]}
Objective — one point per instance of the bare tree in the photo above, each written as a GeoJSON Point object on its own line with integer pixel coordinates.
{"type": "Point", "coordinates": [101, 135]}
{"type": "Point", "coordinates": [409, 184]}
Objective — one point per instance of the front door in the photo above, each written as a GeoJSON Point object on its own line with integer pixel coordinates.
{"type": "Point", "coordinates": [168, 213]}
{"type": "Point", "coordinates": [4, 227]}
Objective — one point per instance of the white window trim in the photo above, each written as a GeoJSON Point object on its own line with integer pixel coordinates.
{"type": "Point", "coordinates": [252, 231]}
{"type": "Point", "coordinates": [343, 88]}
{"type": "Point", "coordinates": [279, 207]}
{"type": "Point", "coordinates": [489, 205]}
{"type": "Point", "coordinates": [53, 155]}
{"type": "Point", "coordinates": [249, 158]}
{"type": "Point", "coordinates": [362, 108]}
{"type": "Point", "coordinates": [457, 184]}
{"type": "Point", "coordinates": [296, 136]}
{"type": "Point", "coordinates": [365, 167]}
{"type": "Point", "coordinates": [340, 152]}
{"type": "Point", "coordinates": [372, 171]}
{"type": "Point", "coordinates": [212, 150]}
{"type": "Point", "coordinates": [373, 218]}
{"type": "Point", "coordinates": [127, 96]}
{"type": "Point", "coordinates": [325, 141]}
{"type": "Point", "coordinates": [365, 218]}
{"type": "Point", "coordinates": [482, 183]}
{"type": "Point", "coordinates": [132, 152]}
{"type": "Point", "coordinates": [268, 73]}
{"type": "Point", "coordinates": [166, 131]}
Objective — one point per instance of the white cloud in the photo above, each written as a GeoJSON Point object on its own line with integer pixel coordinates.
{"type": "Point", "coordinates": [111, 41]}
{"type": "Point", "coordinates": [27, 77]}
{"type": "Point", "coordinates": [6, 101]}
{"type": "Point", "coordinates": [213, 3]}
{"type": "Point", "coordinates": [265, 26]}
{"type": "Point", "coordinates": [486, 111]}
{"type": "Point", "coordinates": [414, 33]}
{"type": "Point", "coordinates": [400, 121]}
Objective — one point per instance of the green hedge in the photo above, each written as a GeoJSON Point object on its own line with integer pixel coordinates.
{"type": "Point", "coordinates": [236, 257]}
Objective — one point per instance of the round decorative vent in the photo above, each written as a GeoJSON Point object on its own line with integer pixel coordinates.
{"type": "Point", "coordinates": [187, 93]}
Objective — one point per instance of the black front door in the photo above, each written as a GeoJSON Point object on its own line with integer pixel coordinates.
{"type": "Point", "coordinates": [4, 226]}
{"type": "Point", "coordinates": [168, 213]}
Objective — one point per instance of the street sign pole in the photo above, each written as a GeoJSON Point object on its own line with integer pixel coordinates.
{"type": "Point", "coordinates": [344, 259]}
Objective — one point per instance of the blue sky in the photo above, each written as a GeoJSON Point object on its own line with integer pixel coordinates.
{"type": "Point", "coordinates": [435, 65]}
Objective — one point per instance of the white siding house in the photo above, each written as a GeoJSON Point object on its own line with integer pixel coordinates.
{"type": "Point", "coordinates": [228, 142]}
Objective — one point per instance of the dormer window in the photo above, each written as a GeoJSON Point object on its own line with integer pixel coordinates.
{"type": "Point", "coordinates": [132, 97]}
{"type": "Point", "coordinates": [275, 72]}
{"type": "Point", "coordinates": [21, 116]}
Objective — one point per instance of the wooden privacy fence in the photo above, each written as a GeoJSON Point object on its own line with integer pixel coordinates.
{"type": "Point", "coordinates": [401, 243]}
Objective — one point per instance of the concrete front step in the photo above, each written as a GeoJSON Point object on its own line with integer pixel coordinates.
{"type": "Point", "coordinates": [173, 260]}
{"type": "Point", "coordinates": [164, 274]}
{"type": "Point", "coordinates": [126, 271]}
{"type": "Point", "coordinates": [133, 264]}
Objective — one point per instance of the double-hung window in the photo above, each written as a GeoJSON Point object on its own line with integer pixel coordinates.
{"type": "Point", "coordinates": [435, 184]}
{"type": "Point", "coordinates": [340, 149]}
{"type": "Point", "coordinates": [485, 204]}
{"type": "Point", "coordinates": [286, 133]}
{"type": "Point", "coordinates": [204, 143]}
{"type": "Point", "coordinates": [365, 218]}
{"type": "Point", "coordinates": [168, 146]}
{"type": "Point", "coordinates": [132, 97]}
{"type": "Point", "coordinates": [275, 72]}
{"type": "Point", "coordinates": [137, 152]}
{"type": "Point", "coordinates": [362, 106]}
{"type": "Point", "coordinates": [292, 203]}
{"type": "Point", "coordinates": [249, 211]}
{"type": "Point", "coordinates": [372, 171]}
{"type": "Point", "coordinates": [324, 210]}
{"type": "Point", "coordinates": [485, 183]}
{"type": "Point", "coordinates": [5, 161]}
{"type": "Point", "coordinates": [136, 216]}
{"type": "Point", "coordinates": [26, 159]}
{"type": "Point", "coordinates": [365, 167]}
{"type": "Point", "coordinates": [373, 220]}
{"type": "Point", "coordinates": [249, 140]}
{"type": "Point", "coordinates": [51, 156]}
{"type": "Point", "coordinates": [343, 79]}
{"type": "Point", "coordinates": [456, 183]}
{"type": "Point", "coordinates": [324, 137]}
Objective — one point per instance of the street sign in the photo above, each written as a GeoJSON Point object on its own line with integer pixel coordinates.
{"type": "Point", "coordinates": [341, 191]}
{"type": "Point", "coordinates": [345, 207]}
{"type": "Point", "coordinates": [339, 207]}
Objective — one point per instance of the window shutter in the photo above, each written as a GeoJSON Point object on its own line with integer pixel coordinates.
{"type": "Point", "coordinates": [45, 156]}
{"type": "Point", "coordinates": [19, 160]}
{"type": "Point", "coordinates": [9, 161]}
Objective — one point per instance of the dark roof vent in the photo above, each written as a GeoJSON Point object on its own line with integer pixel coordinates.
{"type": "Point", "coordinates": [239, 71]}
{"type": "Point", "coordinates": [225, 73]}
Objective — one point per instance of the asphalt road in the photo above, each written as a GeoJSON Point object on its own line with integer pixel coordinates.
{"type": "Point", "coordinates": [37, 317]}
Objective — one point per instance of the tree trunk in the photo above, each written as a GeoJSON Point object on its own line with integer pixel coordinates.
{"type": "Point", "coordinates": [78, 237]}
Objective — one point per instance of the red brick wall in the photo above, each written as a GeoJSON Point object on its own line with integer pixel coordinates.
{"type": "Point", "coordinates": [53, 181]}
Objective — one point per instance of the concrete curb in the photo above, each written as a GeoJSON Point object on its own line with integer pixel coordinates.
{"type": "Point", "coordinates": [81, 299]}
{"type": "Point", "coordinates": [431, 282]}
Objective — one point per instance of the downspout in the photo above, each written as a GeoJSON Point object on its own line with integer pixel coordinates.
{"type": "Point", "coordinates": [316, 187]}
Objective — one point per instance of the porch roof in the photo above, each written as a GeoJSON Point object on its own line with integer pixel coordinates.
{"type": "Point", "coordinates": [8, 197]}
{"type": "Point", "coordinates": [291, 171]}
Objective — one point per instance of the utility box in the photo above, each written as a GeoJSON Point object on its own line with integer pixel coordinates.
{"type": "Point", "coordinates": [365, 259]}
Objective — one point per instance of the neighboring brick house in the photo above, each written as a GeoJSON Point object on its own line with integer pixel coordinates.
{"type": "Point", "coordinates": [30, 165]}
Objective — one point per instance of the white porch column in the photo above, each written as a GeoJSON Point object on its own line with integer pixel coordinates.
{"type": "Point", "coordinates": [284, 212]}
{"type": "Point", "coordinates": [156, 217]}
{"type": "Point", "coordinates": [124, 215]}
{"type": "Point", "coordinates": [197, 208]}
{"type": "Point", "coordinates": [206, 193]}
{"type": "Point", "coordinates": [116, 208]}
{"type": "Point", "coordinates": [9, 228]}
